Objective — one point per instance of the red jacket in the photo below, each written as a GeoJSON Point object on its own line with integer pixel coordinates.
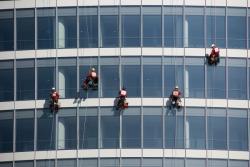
{"type": "Point", "coordinates": [215, 52]}
{"type": "Point", "coordinates": [92, 74]}
{"type": "Point", "coordinates": [176, 93]}
{"type": "Point", "coordinates": [54, 96]}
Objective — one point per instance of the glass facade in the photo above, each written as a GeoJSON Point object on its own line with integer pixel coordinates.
{"type": "Point", "coordinates": [128, 26]}
{"type": "Point", "coordinates": [147, 49]}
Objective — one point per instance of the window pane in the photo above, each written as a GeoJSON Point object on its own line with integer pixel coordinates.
{"type": "Point", "coordinates": [238, 132]}
{"type": "Point", "coordinates": [88, 128]}
{"type": "Point", "coordinates": [88, 162]}
{"type": "Point", "coordinates": [152, 81]}
{"type": "Point", "coordinates": [25, 80]}
{"type": "Point", "coordinates": [24, 130]}
{"type": "Point", "coordinates": [195, 128]}
{"type": "Point", "coordinates": [7, 81]}
{"type": "Point", "coordinates": [45, 77]}
{"type": "Point", "coordinates": [237, 71]}
{"type": "Point", "coordinates": [131, 30]}
{"type": "Point", "coordinates": [237, 163]}
{"type": "Point", "coordinates": [88, 28]}
{"type": "Point", "coordinates": [194, 27]}
{"type": "Point", "coordinates": [217, 129]}
{"type": "Point", "coordinates": [131, 77]}
{"type": "Point", "coordinates": [45, 130]}
{"type": "Point", "coordinates": [152, 128]}
{"type": "Point", "coordinates": [195, 163]}
{"type": "Point", "coordinates": [216, 31]}
{"type": "Point", "coordinates": [173, 74]}
{"type": "Point", "coordinates": [67, 129]}
{"type": "Point", "coordinates": [216, 81]}
{"type": "Point", "coordinates": [6, 131]}
{"type": "Point", "coordinates": [173, 29]}
{"type": "Point", "coordinates": [152, 36]}
{"type": "Point", "coordinates": [45, 163]}
{"type": "Point", "coordinates": [131, 162]}
{"type": "Point", "coordinates": [46, 29]}
{"type": "Point", "coordinates": [173, 162]}
{"type": "Point", "coordinates": [109, 162]}
{"type": "Point", "coordinates": [152, 162]}
{"type": "Point", "coordinates": [24, 164]}
{"type": "Point", "coordinates": [66, 163]}
{"type": "Point", "coordinates": [67, 78]}
{"type": "Point", "coordinates": [25, 29]}
{"type": "Point", "coordinates": [236, 28]}
{"type": "Point", "coordinates": [174, 131]}
{"type": "Point", "coordinates": [6, 31]}
{"type": "Point", "coordinates": [131, 128]}
{"type": "Point", "coordinates": [6, 164]}
{"type": "Point", "coordinates": [216, 163]}
{"type": "Point", "coordinates": [194, 75]}
{"type": "Point", "coordinates": [110, 127]}
{"type": "Point", "coordinates": [85, 65]}
{"type": "Point", "coordinates": [67, 28]}
{"type": "Point", "coordinates": [109, 27]}
{"type": "Point", "coordinates": [109, 77]}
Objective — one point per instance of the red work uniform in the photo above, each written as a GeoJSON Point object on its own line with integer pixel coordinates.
{"type": "Point", "coordinates": [215, 52]}
{"type": "Point", "coordinates": [54, 96]}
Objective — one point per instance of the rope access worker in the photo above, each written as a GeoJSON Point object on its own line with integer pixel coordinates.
{"type": "Point", "coordinates": [175, 97]}
{"type": "Point", "coordinates": [54, 96]}
{"type": "Point", "coordinates": [214, 57]}
{"type": "Point", "coordinates": [122, 102]}
{"type": "Point", "coordinates": [91, 80]}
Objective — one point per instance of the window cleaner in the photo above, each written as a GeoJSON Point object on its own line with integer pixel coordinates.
{"type": "Point", "coordinates": [121, 100]}
{"type": "Point", "coordinates": [91, 80]}
{"type": "Point", "coordinates": [54, 100]}
{"type": "Point", "coordinates": [175, 97]}
{"type": "Point", "coordinates": [214, 57]}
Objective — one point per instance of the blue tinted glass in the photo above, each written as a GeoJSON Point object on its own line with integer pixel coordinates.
{"type": "Point", "coordinates": [67, 78]}
{"type": "Point", "coordinates": [131, 31]}
{"type": "Point", "coordinates": [236, 31]}
{"type": "Point", "coordinates": [217, 133]}
{"type": "Point", "coordinates": [88, 162]}
{"type": "Point", "coordinates": [195, 163]}
{"type": "Point", "coordinates": [152, 131]}
{"type": "Point", "coordinates": [109, 162]}
{"type": "Point", "coordinates": [25, 29]}
{"type": "Point", "coordinates": [109, 130]}
{"type": "Point", "coordinates": [88, 128]}
{"type": "Point", "coordinates": [66, 163]}
{"type": "Point", "coordinates": [109, 80]}
{"type": "Point", "coordinates": [6, 31]}
{"type": "Point", "coordinates": [194, 75]}
{"type": "Point", "coordinates": [46, 32]}
{"type": "Point", "coordinates": [66, 129]}
{"type": "Point", "coordinates": [24, 164]}
{"type": "Point", "coordinates": [24, 131]}
{"type": "Point", "coordinates": [67, 29]}
{"type": "Point", "coordinates": [216, 82]}
{"type": "Point", "coordinates": [152, 35]}
{"type": "Point", "coordinates": [7, 81]}
{"type": "Point", "coordinates": [131, 131]}
{"type": "Point", "coordinates": [173, 75]}
{"type": "Point", "coordinates": [174, 132]}
{"type": "Point", "coordinates": [195, 126]}
{"type": "Point", "coordinates": [216, 163]}
{"type": "Point", "coordinates": [151, 162]}
{"type": "Point", "coordinates": [131, 162]}
{"type": "Point", "coordinates": [216, 27]}
{"type": "Point", "coordinates": [152, 81]}
{"type": "Point", "coordinates": [45, 81]}
{"type": "Point", "coordinates": [88, 31]}
{"type": "Point", "coordinates": [45, 163]}
{"type": "Point", "coordinates": [6, 164]}
{"type": "Point", "coordinates": [83, 74]}
{"type": "Point", "coordinates": [6, 132]}
{"type": "Point", "coordinates": [25, 80]}
{"type": "Point", "coordinates": [238, 139]}
{"type": "Point", "coordinates": [238, 163]}
{"type": "Point", "coordinates": [237, 90]}
{"type": "Point", "coordinates": [109, 31]}
{"type": "Point", "coordinates": [173, 29]}
{"type": "Point", "coordinates": [131, 77]}
{"type": "Point", "coordinates": [195, 36]}
{"type": "Point", "coordinates": [45, 130]}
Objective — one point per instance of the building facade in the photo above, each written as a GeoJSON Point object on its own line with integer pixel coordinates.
{"type": "Point", "coordinates": [147, 46]}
